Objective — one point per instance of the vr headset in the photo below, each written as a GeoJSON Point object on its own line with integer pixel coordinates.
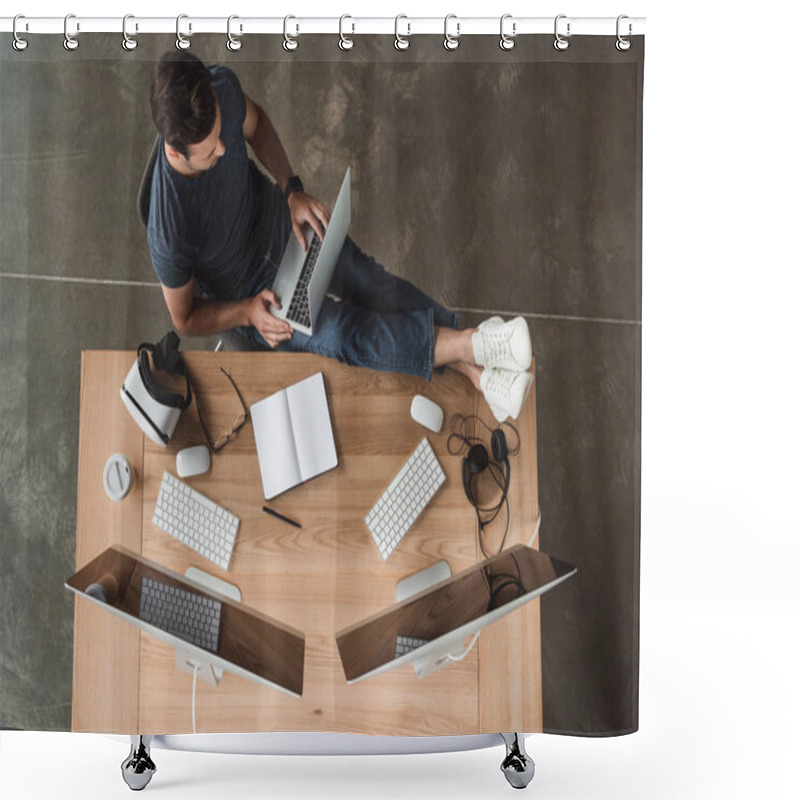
{"type": "Point", "coordinates": [154, 407]}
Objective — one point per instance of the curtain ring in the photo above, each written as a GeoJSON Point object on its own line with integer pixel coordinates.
{"type": "Point", "coordinates": [289, 42]}
{"type": "Point", "coordinates": [623, 44]}
{"type": "Point", "coordinates": [70, 42]}
{"type": "Point", "coordinates": [128, 42]}
{"type": "Point", "coordinates": [561, 42]}
{"type": "Point", "coordinates": [345, 42]}
{"type": "Point", "coordinates": [507, 42]}
{"type": "Point", "coordinates": [451, 42]}
{"type": "Point", "coordinates": [234, 44]}
{"type": "Point", "coordinates": [401, 42]}
{"type": "Point", "coordinates": [19, 44]}
{"type": "Point", "coordinates": [182, 43]}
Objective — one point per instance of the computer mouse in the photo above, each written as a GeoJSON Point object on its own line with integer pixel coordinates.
{"type": "Point", "coordinates": [193, 461]}
{"type": "Point", "coordinates": [427, 413]}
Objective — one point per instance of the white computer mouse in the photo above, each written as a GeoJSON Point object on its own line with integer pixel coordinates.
{"type": "Point", "coordinates": [193, 461]}
{"type": "Point", "coordinates": [427, 413]}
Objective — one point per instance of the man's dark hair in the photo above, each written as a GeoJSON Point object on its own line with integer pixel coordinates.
{"type": "Point", "coordinates": [182, 102]}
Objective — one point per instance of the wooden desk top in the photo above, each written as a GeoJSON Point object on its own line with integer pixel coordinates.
{"type": "Point", "coordinates": [319, 579]}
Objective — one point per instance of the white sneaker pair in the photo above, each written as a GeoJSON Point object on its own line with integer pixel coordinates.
{"type": "Point", "coordinates": [504, 350]}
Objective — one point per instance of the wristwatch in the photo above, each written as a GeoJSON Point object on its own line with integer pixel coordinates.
{"type": "Point", "coordinates": [294, 184]}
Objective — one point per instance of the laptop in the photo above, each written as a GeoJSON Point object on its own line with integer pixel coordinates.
{"type": "Point", "coordinates": [303, 278]}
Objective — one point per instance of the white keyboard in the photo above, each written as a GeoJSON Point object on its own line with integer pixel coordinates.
{"type": "Point", "coordinates": [189, 616]}
{"type": "Point", "coordinates": [195, 520]}
{"type": "Point", "coordinates": [405, 498]}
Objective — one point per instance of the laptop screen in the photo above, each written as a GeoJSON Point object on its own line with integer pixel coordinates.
{"type": "Point", "coordinates": [152, 597]}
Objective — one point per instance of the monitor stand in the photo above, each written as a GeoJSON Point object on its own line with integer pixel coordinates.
{"type": "Point", "coordinates": [413, 585]}
{"type": "Point", "coordinates": [189, 662]}
{"type": "Point", "coordinates": [433, 663]}
{"type": "Point", "coordinates": [421, 581]}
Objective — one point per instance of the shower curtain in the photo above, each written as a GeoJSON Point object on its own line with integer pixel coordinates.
{"type": "Point", "coordinates": [500, 183]}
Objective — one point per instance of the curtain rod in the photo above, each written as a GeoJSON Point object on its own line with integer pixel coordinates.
{"type": "Point", "coordinates": [404, 26]}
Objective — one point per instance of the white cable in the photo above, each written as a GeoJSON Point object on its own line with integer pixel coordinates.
{"type": "Point", "coordinates": [536, 529]}
{"type": "Point", "coordinates": [194, 688]}
{"type": "Point", "coordinates": [460, 656]}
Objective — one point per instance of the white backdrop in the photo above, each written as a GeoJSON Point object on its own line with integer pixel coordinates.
{"type": "Point", "coordinates": [720, 604]}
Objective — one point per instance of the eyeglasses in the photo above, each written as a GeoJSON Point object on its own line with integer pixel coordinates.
{"type": "Point", "coordinates": [237, 425]}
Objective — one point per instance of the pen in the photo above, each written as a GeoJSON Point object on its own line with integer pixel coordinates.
{"type": "Point", "coordinates": [280, 516]}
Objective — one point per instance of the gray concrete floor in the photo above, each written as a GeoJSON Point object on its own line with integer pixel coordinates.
{"type": "Point", "coordinates": [498, 188]}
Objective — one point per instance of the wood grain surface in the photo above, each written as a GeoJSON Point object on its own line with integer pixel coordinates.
{"type": "Point", "coordinates": [319, 579]}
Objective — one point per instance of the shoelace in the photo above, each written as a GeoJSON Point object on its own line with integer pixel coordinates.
{"type": "Point", "coordinates": [496, 345]}
{"type": "Point", "coordinates": [499, 383]}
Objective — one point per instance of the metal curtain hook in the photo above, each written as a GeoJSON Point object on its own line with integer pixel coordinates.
{"type": "Point", "coordinates": [561, 43]}
{"type": "Point", "coordinates": [507, 42]}
{"type": "Point", "coordinates": [623, 44]}
{"type": "Point", "coordinates": [234, 43]}
{"type": "Point", "coordinates": [401, 42]}
{"type": "Point", "coordinates": [128, 42]}
{"type": "Point", "coordinates": [451, 42]}
{"type": "Point", "coordinates": [289, 42]}
{"type": "Point", "coordinates": [19, 44]}
{"type": "Point", "coordinates": [345, 42]}
{"type": "Point", "coordinates": [70, 42]}
{"type": "Point", "coordinates": [182, 43]}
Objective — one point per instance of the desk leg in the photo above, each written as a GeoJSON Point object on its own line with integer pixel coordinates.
{"type": "Point", "coordinates": [518, 766]}
{"type": "Point", "coordinates": [138, 768]}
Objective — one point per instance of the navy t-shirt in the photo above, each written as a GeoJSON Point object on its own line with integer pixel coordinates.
{"type": "Point", "coordinates": [214, 227]}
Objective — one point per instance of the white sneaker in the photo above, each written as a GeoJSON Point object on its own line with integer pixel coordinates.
{"type": "Point", "coordinates": [505, 391]}
{"type": "Point", "coordinates": [503, 345]}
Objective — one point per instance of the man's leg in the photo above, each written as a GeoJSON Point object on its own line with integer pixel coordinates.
{"type": "Point", "coordinates": [391, 342]}
{"type": "Point", "coordinates": [454, 349]}
{"type": "Point", "coordinates": [365, 282]}
{"type": "Point", "coordinates": [386, 323]}
{"type": "Point", "coordinates": [408, 343]}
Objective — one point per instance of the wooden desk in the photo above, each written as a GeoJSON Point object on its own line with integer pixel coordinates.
{"type": "Point", "coordinates": [319, 579]}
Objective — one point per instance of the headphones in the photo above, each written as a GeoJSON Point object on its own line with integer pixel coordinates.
{"type": "Point", "coordinates": [477, 461]}
{"type": "Point", "coordinates": [498, 582]}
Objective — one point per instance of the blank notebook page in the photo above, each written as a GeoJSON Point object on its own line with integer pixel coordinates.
{"type": "Point", "coordinates": [311, 423]}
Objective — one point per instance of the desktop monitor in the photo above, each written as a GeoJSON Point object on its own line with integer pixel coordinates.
{"type": "Point", "coordinates": [429, 628]}
{"type": "Point", "coordinates": [229, 635]}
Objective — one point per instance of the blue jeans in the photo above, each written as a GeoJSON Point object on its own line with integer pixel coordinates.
{"type": "Point", "coordinates": [380, 321]}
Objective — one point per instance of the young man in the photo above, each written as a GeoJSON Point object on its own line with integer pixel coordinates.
{"type": "Point", "coordinates": [218, 228]}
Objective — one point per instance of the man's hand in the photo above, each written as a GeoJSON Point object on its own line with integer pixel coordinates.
{"type": "Point", "coordinates": [273, 330]}
{"type": "Point", "coordinates": [307, 209]}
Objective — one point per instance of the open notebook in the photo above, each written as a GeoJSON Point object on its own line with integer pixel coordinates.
{"type": "Point", "coordinates": [294, 437]}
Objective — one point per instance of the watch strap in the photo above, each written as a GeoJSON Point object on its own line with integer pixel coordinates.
{"type": "Point", "coordinates": [294, 184]}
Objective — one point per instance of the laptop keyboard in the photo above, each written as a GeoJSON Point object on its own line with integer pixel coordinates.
{"type": "Point", "coordinates": [299, 311]}
{"type": "Point", "coordinates": [189, 616]}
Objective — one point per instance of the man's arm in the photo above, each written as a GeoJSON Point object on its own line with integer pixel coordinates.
{"type": "Point", "coordinates": [260, 133]}
{"type": "Point", "coordinates": [195, 316]}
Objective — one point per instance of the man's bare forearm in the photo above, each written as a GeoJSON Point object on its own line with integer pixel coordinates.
{"type": "Point", "coordinates": [210, 317]}
{"type": "Point", "coordinates": [269, 150]}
